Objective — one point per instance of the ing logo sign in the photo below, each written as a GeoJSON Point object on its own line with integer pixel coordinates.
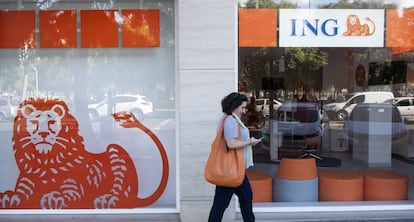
{"type": "Point", "coordinates": [330, 27]}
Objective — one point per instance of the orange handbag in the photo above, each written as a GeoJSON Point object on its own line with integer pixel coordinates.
{"type": "Point", "coordinates": [224, 167]}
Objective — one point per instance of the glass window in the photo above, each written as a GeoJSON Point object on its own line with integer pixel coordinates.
{"type": "Point", "coordinates": [91, 118]}
{"type": "Point", "coordinates": [358, 99]}
{"type": "Point", "coordinates": [321, 55]}
{"type": "Point", "coordinates": [404, 102]}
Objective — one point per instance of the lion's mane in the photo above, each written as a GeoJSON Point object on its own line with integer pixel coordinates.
{"type": "Point", "coordinates": [28, 159]}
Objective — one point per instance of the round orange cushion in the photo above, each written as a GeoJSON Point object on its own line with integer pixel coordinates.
{"type": "Point", "coordinates": [384, 185]}
{"type": "Point", "coordinates": [297, 169]}
{"type": "Point", "coordinates": [340, 185]}
{"type": "Point", "coordinates": [261, 184]}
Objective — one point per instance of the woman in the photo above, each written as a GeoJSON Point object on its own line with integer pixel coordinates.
{"type": "Point", "coordinates": [234, 106]}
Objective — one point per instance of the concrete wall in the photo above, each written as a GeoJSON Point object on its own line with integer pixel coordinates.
{"type": "Point", "coordinates": [207, 52]}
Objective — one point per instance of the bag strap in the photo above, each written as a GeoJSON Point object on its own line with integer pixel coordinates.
{"type": "Point", "coordinates": [222, 130]}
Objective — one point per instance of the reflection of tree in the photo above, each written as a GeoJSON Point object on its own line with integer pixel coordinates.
{"type": "Point", "coordinates": [100, 73]}
{"type": "Point", "coordinates": [8, 76]}
{"type": "Point", "coordinates": [307, 62]}
{"type": "Point", "coordinates": [357, 4]}
{"type": "Point", "coordinates": [24, 55]}
{"type": "Point", "coordinates": [270, 4]}
{"type": "Point", "coordinates": [55, 76]}
{"type": "Point", "coordinates": [302, 63]}
{"type": "Point", "coordinates": [255, 65]}
{"type": "Point", "coordinates": [387, 72]}
{"type": "Point", "coordinates": [301, 73]}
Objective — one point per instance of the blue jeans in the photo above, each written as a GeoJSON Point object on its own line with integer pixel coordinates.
{"type": "Point", "coordinates": [222, 199]}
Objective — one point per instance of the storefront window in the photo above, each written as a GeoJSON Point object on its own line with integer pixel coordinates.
{"type": "Point", "coordinates": [87, 105]}
{"type": "Point", "coordinates": [331, 82]}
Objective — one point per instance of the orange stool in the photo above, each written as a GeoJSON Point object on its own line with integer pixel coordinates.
{"type": "Point", "coordinates": [297, 169]}
{"type": "Point", "coordinates": [261, 186]}
{"type": "Point", "coordinates": [340, 185]}
{"type": "Point", "coordinates": [384, 185]}
{"type": "Point", "coordinates": [296, 180]}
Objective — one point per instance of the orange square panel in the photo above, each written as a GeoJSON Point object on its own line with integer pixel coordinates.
{"type": "Point", "coordinates": [141, 28]}
{"type": "Point", "coordinates": [400, 28]}
{"type": "Point", "coordinates": [17, 29]}
{"type": "Point", "coordinates": [99, 29]}
{"type": "Point", "coordinates": [257, 27]}
{"type": "Point", "coordinates": [58, 29]}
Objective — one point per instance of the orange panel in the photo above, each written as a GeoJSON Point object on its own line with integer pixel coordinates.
{"type": "Point", "coordinates": [141, 28]}
{"type": "Point", "coordinates": [99, 29]}
{"type": "Point", "coordinates": [257, 27]}
{"type": "Point", "coordinates": [58, 29]}
{"type": "Point", "coordinates": [399, 50]}
{"type": "Point", "coordinates": [400, 27]}
{"type": "Point", "coordinates": [17, 29]}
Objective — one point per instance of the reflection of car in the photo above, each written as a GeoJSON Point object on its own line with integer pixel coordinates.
{"type": "Point", "coordinates": [405, 105]}
{"type": "Point", "coordinates": [137, 104]}
{"type": "Point", "coordinates": [373, 129]}
{"type": "Point", "coordinates": [8, 109]}
{"type": "Point", "coordinates": [301, 125]}
{"type": "Point", "coordinates": [375, 119]}
{"type": "Point", "coordinates": [341, 110]}
{"type": "Point", "coordinates": [264, 105]}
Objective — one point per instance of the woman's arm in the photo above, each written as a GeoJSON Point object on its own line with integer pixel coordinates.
{"type": "Point", "coordinates": [236, 143]}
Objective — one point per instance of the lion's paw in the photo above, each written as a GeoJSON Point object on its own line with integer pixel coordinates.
{"type": "Point", "coordinates": [126, 119]}
{"type": "Point", "coordinates": [105, 201]}
{"type": "Point", "coordinates": [9, 199]}
{"type": "Point", "coordinates": [53, 200]}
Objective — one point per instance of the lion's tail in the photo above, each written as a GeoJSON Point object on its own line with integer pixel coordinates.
{"type": "Point", "coordinates": [373, 25]}
{"type": "Point", "coordinates": [129, 120]}
{"type": "Point", "coordinates": [142, 202]}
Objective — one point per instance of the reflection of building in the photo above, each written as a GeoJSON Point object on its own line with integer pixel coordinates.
{"type": "Point", "coordinates": [205, 71]}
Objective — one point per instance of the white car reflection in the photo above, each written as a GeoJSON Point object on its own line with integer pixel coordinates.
{"type": "Point", "coordinates": [405, 105]}
{"type": "Point", "coordinates": [141, 106]}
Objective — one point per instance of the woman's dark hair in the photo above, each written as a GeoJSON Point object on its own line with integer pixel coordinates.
{"type": "Point", "coordinates": [232, 101]}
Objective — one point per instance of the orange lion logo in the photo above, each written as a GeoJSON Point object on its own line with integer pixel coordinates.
{"type": "Point", "coordinates": [355, 28]}
{"type": "Point", "coordinates": [57, 172]}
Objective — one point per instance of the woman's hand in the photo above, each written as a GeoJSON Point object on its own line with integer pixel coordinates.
{"type": "Point", "coordinates": [254, 141]}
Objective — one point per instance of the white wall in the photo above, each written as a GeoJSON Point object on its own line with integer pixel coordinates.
{"type": "Point", "coordinates": [206, 73]}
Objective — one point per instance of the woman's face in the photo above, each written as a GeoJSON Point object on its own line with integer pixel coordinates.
{"type": "Point", "coordinates": [241, 109]}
